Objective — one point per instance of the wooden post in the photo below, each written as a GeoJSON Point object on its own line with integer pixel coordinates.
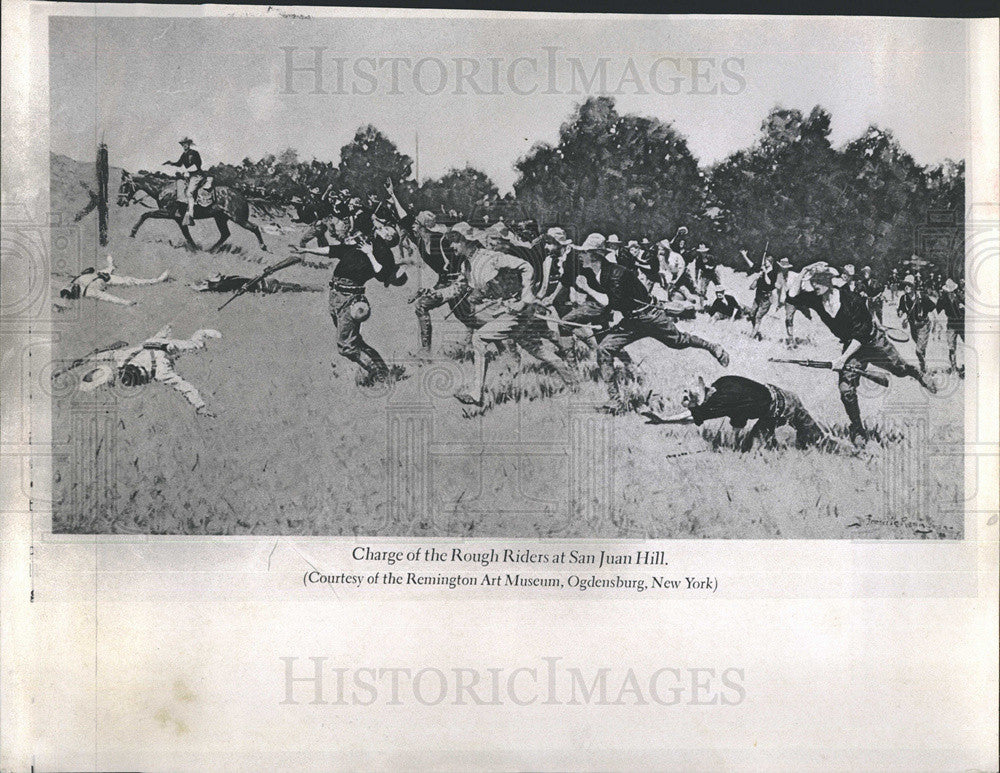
{"type": "Point", "coordinates": [102, 194]}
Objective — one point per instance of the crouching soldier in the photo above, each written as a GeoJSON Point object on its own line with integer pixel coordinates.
{"type": "Point", "coordinates": [914, 311]}
{"type": "Point", "coordinates": [724, 305]}
{"type": "Point", "coordinates": [620, 291]}
{"type": "Point", "coordinates": [152, 360]}
{"type": "Point", "coordinates": [741, 399]}
{"type": "Point", "coordinates": [847, 316]}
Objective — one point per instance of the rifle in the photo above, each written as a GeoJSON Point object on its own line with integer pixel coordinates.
{"type": "Point", "coordinates": [249, 284]}
{"type": "Point", "coordinates": [873, 377]}
{"type": "Point", "coordinates": [78, 362]}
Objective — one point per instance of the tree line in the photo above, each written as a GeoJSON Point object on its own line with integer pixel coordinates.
{"type": "Point", "coordinates": [868, 202]}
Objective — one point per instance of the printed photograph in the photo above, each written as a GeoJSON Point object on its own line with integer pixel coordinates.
{"type": "Point", "coordinates": [509, 275]}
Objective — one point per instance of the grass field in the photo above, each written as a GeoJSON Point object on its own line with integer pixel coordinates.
{"type": "Point", "coordinates": [298, 447]}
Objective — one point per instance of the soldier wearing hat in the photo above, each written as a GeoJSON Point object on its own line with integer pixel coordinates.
{"type": "Point", "coordinates": [864, 343]}
{"type": "Point", "coordinates": [705, 269]}
{"type": "Point", "coordinates": [357, 262]}
{"type": "Point", "coordinates": [619, 293]}
{"type": "Point", "coordinates": [872, 291]}
{"type": "Point", "coordinates": [152, 360]}
{"type": "Point", "coordinates": [586, 310]}
{"type": "Point", "coordinates": [952, 303]}
{"type": "Point", "coordinates": [773, 277]}
{"type": "Point", "coordinates": [190, 166]}
{"type": "Point", "coordinates": [435, 252]}
{"type": "Point", "coordinates": [723, 305]}
{"type": "Point", "coordinates": [503, 309]}
{"type": "Point", "coordinates": [914, 311]}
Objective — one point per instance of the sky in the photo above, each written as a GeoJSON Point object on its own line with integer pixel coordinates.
{"type": "Point", "coordinates": [142, 83]}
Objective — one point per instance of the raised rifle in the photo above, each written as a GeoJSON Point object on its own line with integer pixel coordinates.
{"type": "Point", "coordinates": [251, 283]}
{"type": "Point", "coordinates": [826, 364]}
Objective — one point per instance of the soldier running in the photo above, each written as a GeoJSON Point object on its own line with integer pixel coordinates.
{"type": "Point", "coordinates": [503, 312]}
{"type": "Point", "coordinates": [357, 263]}
{"type": "Point", "coordinates": [152, 360]}
{"type": "Point", "coordinates": [773, 277]}
{"type": "Point", "coordinates": [451, 287]}
{"type": "Point", "coordinates": [952, 304]}
{"type": "Point", "coordinates": [914, 311]}
{"type": "Point", "coordinates": [848, 318]}
{"type": "Point", "coordinates": [620, 292]}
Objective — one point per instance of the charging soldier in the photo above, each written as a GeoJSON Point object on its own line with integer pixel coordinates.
{"type": "Point", "coordinates": [914, 311]}
{"type": "Point", "coordinates": [847, 316]}
{"type": "Point", "coordinates": [619, 290]}
{"type": "Point", "coordinates": [357, 262]}
{"type": "Point", "coordinates": [952, 304]}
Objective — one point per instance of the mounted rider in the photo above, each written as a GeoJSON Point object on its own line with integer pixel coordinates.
{"type": "Point", "coordinates": [190, 165]}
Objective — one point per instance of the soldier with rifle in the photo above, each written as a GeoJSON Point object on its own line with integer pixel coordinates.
{"type": "Point", "coordinates": [152, 360]}
{"type": "Point", "coordinates": [450, 288]}
{"type": "Point", "coordinates": [847, 316]}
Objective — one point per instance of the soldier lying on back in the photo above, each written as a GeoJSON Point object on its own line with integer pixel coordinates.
{"type": "Point", "coordinates": [152, 360]}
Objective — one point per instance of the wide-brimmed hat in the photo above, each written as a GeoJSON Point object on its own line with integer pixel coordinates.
{"type": "Point", "coordinates": [427, 220]}
{"type": "Point", "coordinates": [784, 263]}
{"type": "Point", "coordinates": [594, 241]}
{"type": "Point", "coordinates": [466, 231]}
{"type": "Point", "coordinates": [186, 140]}
{"type": "Point", "coordinates": [909, 279]}
{"type": "Point", "coordinates": [558, 235]}
{"type": "Point", "coordinates": [949, 285]}
{"type": "Point", "coordinates": [701, 248]}
{"type": "Point", "coordinates": [97, 376]}
{"type": "Point", "coordinates": [614, 240]}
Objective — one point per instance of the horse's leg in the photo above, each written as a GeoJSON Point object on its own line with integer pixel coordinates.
{"type": "Point", "coordinates": [191, 245]}
{"type": "Point", "coordinates": [220, 222]}
{"type": "Point", "coordinates": [155, 214]}
{"type": "Point", "coordinates": [252, 228]}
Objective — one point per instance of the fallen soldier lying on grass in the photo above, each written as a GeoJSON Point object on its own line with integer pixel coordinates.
{"type": "Point", "coordinates": [228, 283]}
{"type": "Point", "coordinates": [152, 360]}
{"type": "Point", "coordinates": [91, 283]}
{"type": "Point", "coordinates": [741, 399]}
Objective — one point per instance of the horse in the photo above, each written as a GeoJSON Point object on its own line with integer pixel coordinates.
{"type": "Point", "coordinates": [226, 205]}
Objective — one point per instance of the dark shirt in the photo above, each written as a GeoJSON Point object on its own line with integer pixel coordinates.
{"type": "Point", "coordinates": [853, 321]}
{"type": "Point", "coordinates": [624, 290]}
{"type": "Point", "coordinates": [354, 267]}
{"type": "Point", "coordinates": [434, 253]}
{"type": "Point", "coordinates": [871, 289]}
{"type": "Point", "coordinates": [953, 306]}
{"type": "Point", "coordinates": [915, 309]}
{"type": "Point", "coordinates": [766, 282]}
{"type": "Point", "coordinates": [725, 306]}
{"type": "Point", "coordinates": [190, 157]}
